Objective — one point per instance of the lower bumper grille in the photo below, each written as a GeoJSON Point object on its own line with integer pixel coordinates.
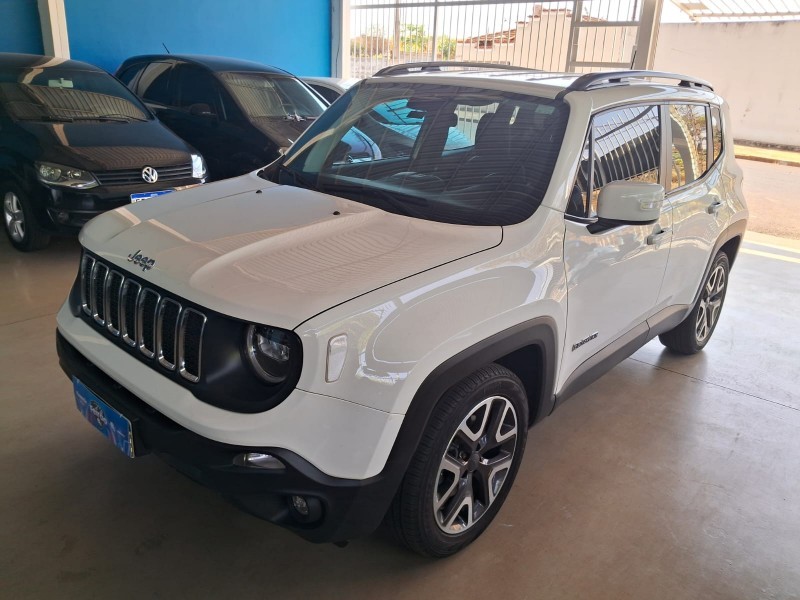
{"type": "Point", "coordinates": [158, 326]}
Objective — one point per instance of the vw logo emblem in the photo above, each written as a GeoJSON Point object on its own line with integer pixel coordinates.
{"type": "Point", "coordinates": [149, 174]}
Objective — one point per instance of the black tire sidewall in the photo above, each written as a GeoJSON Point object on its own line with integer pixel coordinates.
{"type": "Point", "coordinates": [33, 238]}
{"type": "Point", "coordinates": [721, 259]}
{"type": "Point", "coordinates": [507, 387]}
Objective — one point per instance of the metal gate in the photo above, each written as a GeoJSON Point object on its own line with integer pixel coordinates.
{"type": "Point", "coordinates": [553, 35]}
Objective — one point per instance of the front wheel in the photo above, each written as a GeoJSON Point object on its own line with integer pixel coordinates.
{"type": "Point", "coordinates": [695, 331]}
{"type": "Point", "coordinates": [465, 464]}
{"type": "Point", "coordinates": [21, 226]}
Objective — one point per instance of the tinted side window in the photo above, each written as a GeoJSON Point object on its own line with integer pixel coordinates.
{"type": "Point", "coordinates": [624, 144]}
{"type": "Point", "coordinates": [196, 86]}
{"type": "Point", "coordinates": [327, 93]}
{"type": "Point", "coordinates": [154, 83]}
{"type": "Point", "coordinates": [129, 74]}
{"type": "Point", "coordinates": [689, 143]}
{"type": "Point", "coordinates": [716, 131]}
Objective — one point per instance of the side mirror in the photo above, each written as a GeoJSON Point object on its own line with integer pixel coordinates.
{"type": "Point", "coordinates": [631, 202]}
{"type": "Point", "coordinates": [200, 110]}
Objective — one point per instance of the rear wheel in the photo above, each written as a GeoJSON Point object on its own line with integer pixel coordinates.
{"type": "Point", "coordinates": [695, 331]}
{"type": "Point", "coordinates": [21, 227]}
{"type": "Point", "coordinates": [465, 464]}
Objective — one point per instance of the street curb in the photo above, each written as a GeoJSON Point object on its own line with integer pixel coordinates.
{"type": "Point", "coordinates": [775, 161]}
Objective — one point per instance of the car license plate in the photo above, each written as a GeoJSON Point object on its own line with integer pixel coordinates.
{"type": "Point", "coordinates": [105, 419]}
{"type": "Point", "coordinates": [146, 195]}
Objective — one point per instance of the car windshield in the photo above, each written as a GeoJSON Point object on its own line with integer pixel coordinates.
{"type": "Point", "coordinates": [66, 95]}
{"type": "Point", "coordinates": [460, 155]}
{"type": "Point", "coordinates": [264, 95]}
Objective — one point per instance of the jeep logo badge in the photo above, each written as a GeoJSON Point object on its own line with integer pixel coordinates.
{"type": "Point", "coordinates": [145, 262]}
{"type": "Point", "coordinates": [149, 174]}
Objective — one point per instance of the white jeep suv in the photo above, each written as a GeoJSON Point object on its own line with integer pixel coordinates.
{"type": "Point", "coordinates": [347, 337]}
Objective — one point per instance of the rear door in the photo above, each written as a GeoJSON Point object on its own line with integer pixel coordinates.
{"type": "Point", "coordinates": [694, 191]}
{"type": "Point", "coordinates": [614, 274]}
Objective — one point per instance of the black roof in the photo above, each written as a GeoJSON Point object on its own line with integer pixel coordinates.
{"type": "Point", "coordinates": [212, 63]}
{"type": "Point", "coordinates": [10, 60]}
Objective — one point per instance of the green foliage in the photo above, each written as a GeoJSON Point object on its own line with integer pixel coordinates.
{"type": "Point", "coordinates": [446, 47]}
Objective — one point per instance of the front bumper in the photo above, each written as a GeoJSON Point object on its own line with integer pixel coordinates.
{"type": "Point", "coordinates": [65, 211]}
{"type": "Point", "coordinates": [349, 508]}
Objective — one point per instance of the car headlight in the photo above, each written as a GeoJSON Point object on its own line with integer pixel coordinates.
{"type": "Point", "coordinates": [60, 175]}
{"type": "Point", "coordinates": [270, 352]}
{"type": "Point", "coordinates": [198, 166]}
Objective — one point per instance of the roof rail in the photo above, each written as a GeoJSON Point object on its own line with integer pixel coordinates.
{"type": "Point", "coordinates": [591, 81]}
{"type": "Point", "coordinates": [420, 67]}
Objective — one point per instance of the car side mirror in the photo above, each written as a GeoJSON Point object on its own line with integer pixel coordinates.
{"type": "Point", "coordinates": [200, 110]}
{"type": "Point", "coordinates": [632, 202]}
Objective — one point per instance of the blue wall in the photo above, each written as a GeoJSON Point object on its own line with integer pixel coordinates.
{"type": "Point", "coordinates": [290, 34]}
{"type": "Point", "coordinates": [19, 27]}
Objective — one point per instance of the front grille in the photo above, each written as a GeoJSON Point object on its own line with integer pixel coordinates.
{"type": "Point", "coordinates": [159, 327]}
{"type": "Point", "coordinates": [134, 176]}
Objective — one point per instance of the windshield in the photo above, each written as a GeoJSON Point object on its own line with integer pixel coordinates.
{"type": "Point", "coordinates": [440, 152]}
{"type": "Point", "coordinates": [263, 95]}
{"type": "Point", "coordinates": [65, 95]}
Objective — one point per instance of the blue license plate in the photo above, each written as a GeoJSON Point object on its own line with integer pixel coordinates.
{"type": "Point", "coordinates": [146, 195]}
{"type": "Point", "coordinates": [105, 419]}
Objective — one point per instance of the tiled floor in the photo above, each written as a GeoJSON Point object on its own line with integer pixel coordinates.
{"type": "Point", "coordinates": [670, 477]}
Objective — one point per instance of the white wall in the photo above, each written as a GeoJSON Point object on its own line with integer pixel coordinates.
{"type": "Point", "coordinates": [755, 66]}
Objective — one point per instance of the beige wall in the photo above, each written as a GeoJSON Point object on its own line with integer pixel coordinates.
{"type": "Point", "coordinates": [754, 66]}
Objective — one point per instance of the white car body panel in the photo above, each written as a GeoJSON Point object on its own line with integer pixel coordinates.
{"type": "Point", "coordinates": [322, 418]}
{"type": "Point", "coordinates": [276, 254]}
{"type": "Point", "coordinates": [408, 293]}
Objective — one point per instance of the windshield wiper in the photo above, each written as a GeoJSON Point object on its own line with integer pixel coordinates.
{"type": "Point", "coordinates": [112, 118]}
{"type": "Point", "coordinates": [50, 119]}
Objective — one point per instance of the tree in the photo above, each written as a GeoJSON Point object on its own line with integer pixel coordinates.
{"type": "Point", "coordinates": [414, 39]}
{"type": "Point", "coordinates": [447, 47]}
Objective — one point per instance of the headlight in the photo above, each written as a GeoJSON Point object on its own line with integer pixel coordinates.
{"type": "Point", "coordinates": [60, 175]}
{"type": "Point", "coordinates": [270, 352]}
{"type": "Point", "coordinates": [198, 166]}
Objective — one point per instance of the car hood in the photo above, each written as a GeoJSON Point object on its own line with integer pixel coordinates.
{"type": "Point", "coordinates": [274, 254]}
{"type": "Point", "coordinates": [97, 146]}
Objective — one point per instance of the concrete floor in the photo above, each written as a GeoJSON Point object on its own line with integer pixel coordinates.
{"type": "Point", "coordinates": [668, 478]}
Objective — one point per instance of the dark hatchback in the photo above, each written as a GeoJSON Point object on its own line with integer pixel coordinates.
{"type": "Point", "coordinates": [239, 114]}
{"type": "Point", "coordinates": [74, 142]}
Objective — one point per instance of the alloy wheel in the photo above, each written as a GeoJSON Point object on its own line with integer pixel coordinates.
{"type": "Point", "coordinates": [14, 217]}
{"type": "Point", "coordinates": [475, 465]}
{"type": "Point", "coordinates": [710, 303]}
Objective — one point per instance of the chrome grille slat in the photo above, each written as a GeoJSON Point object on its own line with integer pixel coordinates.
{"type": "Point", "coordinates": [96, 292]}
{"type": "Point", "coordinates": [113, 290]}
{"type": "Point", "coordinates": [189, 352]}
{"type": "Point", "coordinates": [87, 262]}
{"type": "Point", "coordinates": [169, 313]}
{"type": "Point", "coordinates": [146, 310]}
{"type": "Point", "coordinates": [129, 300]}
{"type": "Point", "coordinates": [160, 328]}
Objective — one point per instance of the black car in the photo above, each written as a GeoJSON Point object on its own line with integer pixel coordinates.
{"type": "Point", "coordinates": [75, 142]}
{"type": "Point", "coordinates": [239, 114]}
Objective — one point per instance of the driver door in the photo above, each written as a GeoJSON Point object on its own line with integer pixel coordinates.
{"type": "Point", "coordinates": [614, 273]}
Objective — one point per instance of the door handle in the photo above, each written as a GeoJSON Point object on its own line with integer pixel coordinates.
{"type": "Point", "coordinates": [655, 238]}
{"type": "Point", "coordinates": [714, 207]}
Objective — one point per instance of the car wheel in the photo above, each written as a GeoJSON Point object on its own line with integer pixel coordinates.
{"type": "Point", "coordinates": [695, 331]}
{"type": "Point", "coordinates": [465, 464]}
{"type": "Point", "coordinates": [20, 224]}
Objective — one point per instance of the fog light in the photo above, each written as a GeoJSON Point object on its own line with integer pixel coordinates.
{"type": "Point", "coordinates": [300, 505]}
{"type": "Point", "coordinates": [62, 216]}
{"type": "Point", "coordinates": [257, 460]}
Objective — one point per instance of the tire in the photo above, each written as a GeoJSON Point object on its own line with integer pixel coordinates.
{"type": "Point", "coordinates": [695, 330]}
{"type": "Point", "coordinates": [19, 222]}
{"type": "Point", "coordinates": [445, 501]}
